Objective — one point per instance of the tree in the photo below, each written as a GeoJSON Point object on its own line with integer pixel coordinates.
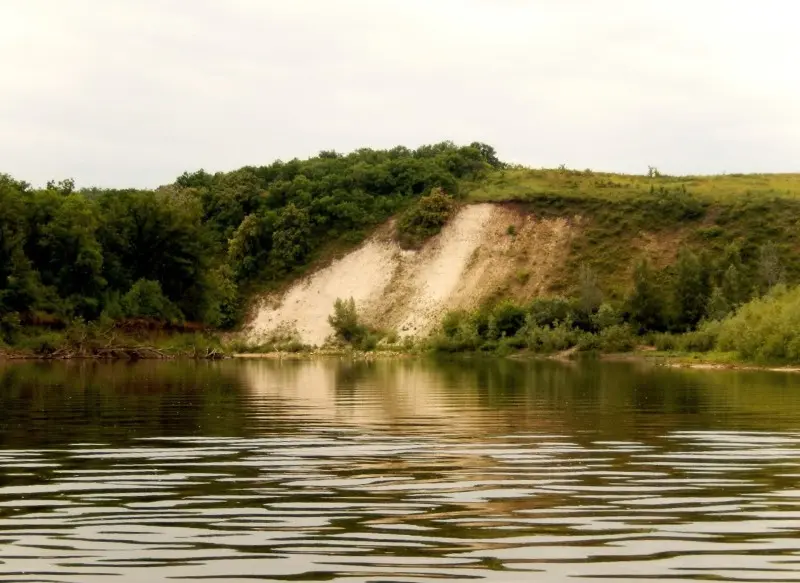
{"type": "Point", "coordinates": [735, 288]}
{"type": "Point", "coordinates": [647, 303]}
{"type": "Point", "coordinates": [488, 153]}
{"type": "Point", "coordinates": [691, 290]}
{"type": "Point", "coordinates": [290, 237]}
{"type": "Point", "coordinates": [770, 269]}
{"type": "Point", "coordinates": [425, 218]}
{"type": "Point", "coordinates": [74, 257]}
{"type": "Point", "coordinates": [146, 300]}
{"type": "Point", "coordinates": [251, 244]}
{"type": "Point", "coordinates": [344, 321]}
{"type": "Point", "coordinates": [591, 296]}
{"type": "Point", "coordinates": [718, 305]}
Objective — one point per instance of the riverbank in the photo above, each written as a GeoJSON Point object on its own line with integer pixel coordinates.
{"type": "Point", "coordinates": [174, 348]}
{"type": "Point", "coordinates": [712, 361]}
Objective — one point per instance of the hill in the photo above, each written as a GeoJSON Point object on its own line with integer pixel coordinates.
{"type": "Point", "coordinates": [524, 234]}
{"type": "Point", "coordinates": [411, 235]}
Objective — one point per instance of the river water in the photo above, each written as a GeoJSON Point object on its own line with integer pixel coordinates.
{"type": "Point", "coordinates": [397, 471]}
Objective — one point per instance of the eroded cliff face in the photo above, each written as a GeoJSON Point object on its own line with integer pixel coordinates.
{"type": "Point", "coordinates": [485, 251]}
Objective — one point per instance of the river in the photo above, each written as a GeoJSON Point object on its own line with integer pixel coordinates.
{"type": "Point", "coordinates": [397, 471]}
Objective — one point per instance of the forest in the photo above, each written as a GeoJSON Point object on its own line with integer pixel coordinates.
{"type": "Point", "coordinates": [186, 255]}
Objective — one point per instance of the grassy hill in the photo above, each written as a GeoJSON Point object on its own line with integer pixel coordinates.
{"type": "Point", "coordinates": [622, 218]}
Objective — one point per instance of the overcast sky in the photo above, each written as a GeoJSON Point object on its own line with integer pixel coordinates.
{"type": "Point", "coordinates": [134, 92]}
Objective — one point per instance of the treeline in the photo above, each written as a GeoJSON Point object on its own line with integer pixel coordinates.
{"type": "Point", "coordinates": [671, 307]}
{"type": "Point", "coordinates": [191, 251]}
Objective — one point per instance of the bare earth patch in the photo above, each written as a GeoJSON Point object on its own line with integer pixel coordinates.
{"type": "Point", "coordinates": [485, 251]}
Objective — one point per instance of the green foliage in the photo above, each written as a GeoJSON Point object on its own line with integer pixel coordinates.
{"type": "Point", "coordinates": [647, 304]}
{"type": "Point", "coordinates": [549, 311]}
{"type": "Point", "coordinates": [146, 300]}
{"type": "Point", "coordinates": [617, 338]}
{"type": "Point", "coordinates": [543, 339]}
{"type": "Point", "coordinates": [348, 328]}
{"type": "Point", "coordinates": [508, 319]}
{"type": "Point", "coordinates": [208, 239]}
{"type": "Point", "coordinates": [765, 329]}
{"type": "Point", "coordinates": [10, 327]}
{"type": "Point", "coordinates": [735, 289]}
{"type": "Point", "coordinates": [691, 290]}
{"type": "Point", "coordinates": [545, 326]}
{"type": "Point", "coordinates": [606, 317]}
{"type": "Point", "coordinates": [344, 320]}
{"type": "Point", "coordinates": [425, 218]}
{"type": "Point", "coordinates": [718, 305]}
{"type": "Point", "coordinates": [591, 296]}
{"type": "Point", "coordinates": [290, 237]}
{"type": "Point", "coordinates": [770, 268]}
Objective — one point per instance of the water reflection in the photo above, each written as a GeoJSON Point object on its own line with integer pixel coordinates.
{"type": "Point", "coordinates": [397, 471]}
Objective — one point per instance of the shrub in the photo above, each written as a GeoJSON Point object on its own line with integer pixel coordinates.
{"type": "Point", "coordinates": [43, 344]}
{"type": "Point", "coordinates": [545, 340]}
{"type": "Point", "coordinates": [425, 218]}
{"type": "Point", "coordinates": [146, 300]}
{"type": "Point", "coordinates": [508, 319]}
{"type": "Point", "coordinates": [459, 333]}
{"type": "Point", "coordinates": [344, 321]}
{"type": "Point", "coordinates": [617, 338]}
{"type": "Point", "coordinates": [606, 317]}
{"type": "Point", "coordinates": [588, 342]}
{"type": "Point", "coordinates": [666, 342]}
{"type": "Point", "coordinates": [549, 311]}
{"type": "Point", "coordinates": [10, 327]}
{"type": "Point", "coordinates": [348, 329]}
{"type": "Point", "coordinates": [704, 339]}
{"type": "Point", "coordinates": [452, 321]}
{"type": "Point", "coordinates": [767, 328]}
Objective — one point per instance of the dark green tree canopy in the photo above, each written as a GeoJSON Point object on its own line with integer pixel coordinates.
{"type": "Point", "coordinates": [192, 249]}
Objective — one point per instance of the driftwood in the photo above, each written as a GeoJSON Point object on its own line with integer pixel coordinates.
{"type": "Point", "coordinates": [128, 353]}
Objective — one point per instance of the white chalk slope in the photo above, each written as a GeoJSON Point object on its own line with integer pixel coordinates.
{"type": "Point", "coordinates": [410, 291]}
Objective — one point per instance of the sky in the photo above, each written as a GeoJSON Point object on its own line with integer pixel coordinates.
{"type": "Point", "coordinates": [119, 93]}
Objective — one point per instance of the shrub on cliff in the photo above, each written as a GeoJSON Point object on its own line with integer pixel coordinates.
{"type": "Point", "coordinates": [425, 218]}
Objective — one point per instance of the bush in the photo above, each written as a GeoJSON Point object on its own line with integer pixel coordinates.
{"type": "Point", "coordinates": [146, 300]}
{"type": "Point", "coordinates": [666, 342]}
{"type": "Point", "coordinates": [549, 311]}
{"type": "Point", "coordinates": [508, 319]}
{"type": "Point", "coordinates": [765, 329]}
{"type": "Point", "coordinates": [606, 317]}
{"type": "Point", "coordinates": [459, 333]}
{"type": "Point", "coordinates": [349, 330]}
{"type": "Point", "coordinates": [704, 339]}
{"type": "Point", "coordinates": [344, 321]}
{"type": "Point", "coordinates": [617, 338]}
{"type": "Point", "coordinates": [546, 340]}
{"type": "Point", "coordinates": [10, 327]}
{"type": "Point", "coordinates": [425, 218]}
{"type": "Point", "coordinates": [42, 344]}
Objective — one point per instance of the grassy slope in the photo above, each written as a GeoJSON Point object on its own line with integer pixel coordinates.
{"type": "Point", "coordinates": [624, 217]}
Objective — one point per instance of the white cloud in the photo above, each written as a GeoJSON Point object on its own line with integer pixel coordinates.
{"type": "Point", "coordinates": [113, 92]}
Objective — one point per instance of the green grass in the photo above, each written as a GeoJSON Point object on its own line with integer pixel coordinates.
{"type": "Point", "coordinates": [621, 218]}
{"type": "Point", "coordinates": [519, 184]}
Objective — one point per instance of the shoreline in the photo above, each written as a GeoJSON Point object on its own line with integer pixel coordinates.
{"type": "Point", "coordinates": [694, 361]}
